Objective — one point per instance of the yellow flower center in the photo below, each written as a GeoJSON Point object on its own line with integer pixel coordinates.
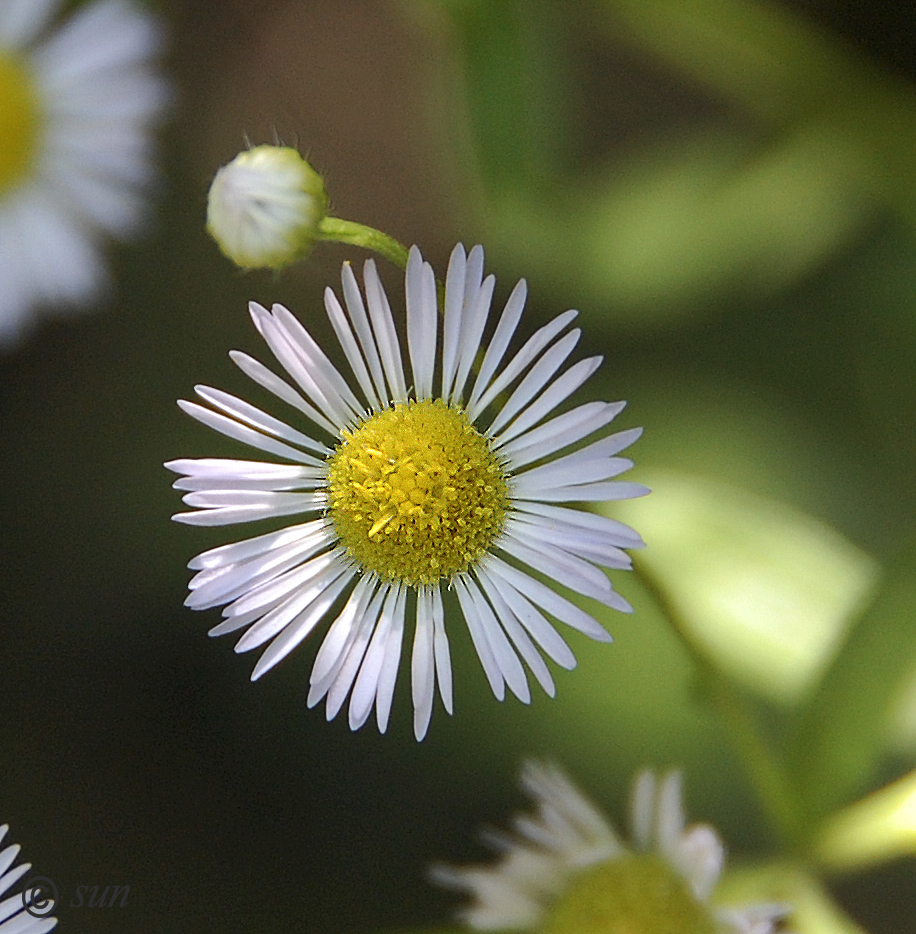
{"type": "Point", "coordinates": [415, 492]}
{"type": "Point", "coordinates": [631, 895]}
{"type": "Point", "coordinates": [20, 117]}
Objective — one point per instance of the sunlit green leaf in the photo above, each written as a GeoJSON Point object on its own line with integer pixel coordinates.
{"type": "Point", "coordinates": [877, 828]}
{"type": "Point", "coordinates": [843, 729]}
{"type": "Point", "coordinates": [765, 590]}
{"type": "Point", "coordinates": [813, 910]}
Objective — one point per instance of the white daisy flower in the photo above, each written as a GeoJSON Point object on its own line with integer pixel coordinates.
{"type": "Point", "coordinates": [76, 103]}
{"type": "Point", "coordinates": [25, 911]}
{"type": "Point", "coordinates": [265, 206]}
{"type": "Point", "coordinates": [565, 869]}
{"type": "Point", "coordinates": [415, 490]}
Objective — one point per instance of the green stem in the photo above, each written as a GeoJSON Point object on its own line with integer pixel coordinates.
{"type": "Point", "coordinates": [762, 765]}
{"type": "Point", "coordinates": [337, 230]}
{"type": "Point", "coordinates": [340, 231]}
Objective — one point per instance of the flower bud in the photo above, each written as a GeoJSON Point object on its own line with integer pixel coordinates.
{"type": "Point", "coordinates": [265, 207]}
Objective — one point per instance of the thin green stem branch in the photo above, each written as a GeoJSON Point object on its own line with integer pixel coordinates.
{"type": "Point", "coordinates": [764, 769]}
{"type": "Point", "coordinates": [340, 231]}
{"type": "Point", "coordinates": [337, 230]}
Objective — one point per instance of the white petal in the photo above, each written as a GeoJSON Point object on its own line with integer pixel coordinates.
{"type": "Point", "coordinates": [476, 628]}
{"type": "Point", "coordinates": [453, 315]}
{"type": "Point", "coordinates": [537, 376]}
{"type": "Point", "coordinates": [546, 598]}
{"type": "Point", "coordinates": [499, 343]}
{"type": "Point", "coordinates": [340, 635]}
{"type": "Point", "coordinates": [367, 685]}
{"type": "Point", "coordinates": [350, 347]}
{"type": "Point", "coordinates": [300, 627]}
{"type": "Point", "coordinates": [422, 665]}
{"type": "Point", "coordinates": [422, 322]}
{"type": "Point", "coordinates": [615, 531]}
{"type": "Point", "coordinates": [256, 371]}
{"type": "Point", "coordinates": [531, 618]}
{"type": "Point", "coordinates": [563, 387]}
{"type": "Point", "coordinates": [389, 672]}
{"type": "Point", "coordinates": [557, 433]}
{"type": "Point", "coordinates": [238, 432]}
{"type": "Point", "coordinates": [357, 312]}
{"type": "Point", "coordinates": [529, 352]}
{"type": "Point", "coordinates": [443, 657]}
{"type": "Point", "coordinates": [386, 336]}
{"type": "Point", "coordinates": [477, 309]}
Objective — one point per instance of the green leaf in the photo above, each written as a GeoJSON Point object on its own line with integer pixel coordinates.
{"type": "Point", "coordinates": [813, 910]}
{"type": "Point", "coordinates": [515, 63]}
{"type": "Point", "coordinates": [765, 591]}
{"type": "Point", "coordinates": [877, 828]}
{"type": "Point", "coordinates": [843, 729]}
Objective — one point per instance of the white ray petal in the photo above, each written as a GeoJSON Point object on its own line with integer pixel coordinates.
{"type": "Point", "coordinates": [300, 627]}
{"type": "Point", "coordinates": [249, 547]}
{"type": "Point", "coordinates": [386, 337]}
{"type": "Point", "coordinates": [557, 433]}
{"type": "Point", "coordinates": [542, 631]}
{"type": "Point", "coordinates": [548, 364]}
{"type": "Point", "coordinates": [340, 634]}
{"type": "Point", "coordinates": [557, 392]}
{"type": "Point", "coordinates": [453, 315]}
{"type": "Point", "coordinates": [519, 637]}
{"type": "Point", "coordinates": [476, 628]}
{"type": "Point", "coordinates": [366, 687]}
{"type": "Point", "coordinates": [390, 662]}
{"type": "Point", "coordinates": [422, 664]}
{"type": "Point", "coordinates": [546, 598]}
{"type": "Point", "coordinates": [357, 312]}
{"type": "Point", "coordinates": [422, 322]}
{"type": "Point", "coordinates": [291, 359]}
{"type": "Point", "coordinates": [340, 678]}
{"type": "Point", "coordinates": [350, 347]}
{"type": "Point", "coordinates": [585, 492]}
{"type": "Point", "coordinates": [617, 532]}
{"type": "Point", "coordinates": [256, 371]}
{"type": "Point", "coordinates": [529, 352]}
{"type": "Point", "coordinates": [560, 566]}
{"type": "Point", "coordinates": [238, 432]}
{"type": "Point", "coordinates": [499, 343]}
{"type": "Point", "coordinates": [591, 546]}
{"type": "Point", "coordinates": [440, 645]}
{"type": "Point", "coordinates": [477, 310]}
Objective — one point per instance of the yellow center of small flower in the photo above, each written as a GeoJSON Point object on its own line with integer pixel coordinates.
{"type": "Point", "coordinates": [631, 895]}
{"type": "Point", "coordinates": [20, 117]}
{"type": "Point", "coordinates": [415, 492]}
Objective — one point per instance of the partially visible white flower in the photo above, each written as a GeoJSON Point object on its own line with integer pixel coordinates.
{"type": "Point", "coordinates": [565, 863]}
{"type": "Point", "coordinates": [265, 206]}
{"type": "Point", "coordinates": [14, 919]}
{"type": "Point", "coordinates": [78, 100]}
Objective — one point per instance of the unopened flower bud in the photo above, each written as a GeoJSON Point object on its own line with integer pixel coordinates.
{"type": "Point", "coordinates": [265, 207]}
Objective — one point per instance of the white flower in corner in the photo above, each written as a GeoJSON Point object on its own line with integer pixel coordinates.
{"type": "Point", "coordinates": [77, 101]}
{"type": "Point", "coordinates": [566, 871]}
{"type": "Point", "coordinates": [27, 910]}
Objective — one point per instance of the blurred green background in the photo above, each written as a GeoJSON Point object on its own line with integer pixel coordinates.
{"type": "Point", "coordinates": [727, 192]}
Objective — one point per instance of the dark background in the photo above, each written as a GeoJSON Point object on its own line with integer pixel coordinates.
{"type": "Point", "coordinates": [135, 750]}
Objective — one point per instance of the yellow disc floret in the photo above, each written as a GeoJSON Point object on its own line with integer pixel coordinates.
{"type": "Point", "coordinates": [415, 492]}
{"type": "Point", "coordinates": [631, 895]}
{"type": "Point", "coordinates": [20, 118]}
